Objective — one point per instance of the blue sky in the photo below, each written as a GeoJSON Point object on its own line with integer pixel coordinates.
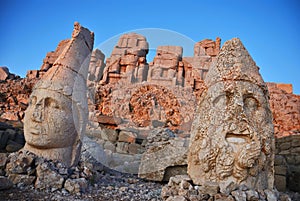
{"type": "Point", "coordinates": [268, 28]}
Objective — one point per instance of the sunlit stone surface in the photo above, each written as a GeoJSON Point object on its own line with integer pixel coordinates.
{"type": "Point", "coordinates": [232, 140]}
{"type": "Point", "coordinates": [57, 113]}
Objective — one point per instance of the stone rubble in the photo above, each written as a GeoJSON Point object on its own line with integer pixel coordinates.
{"type": "Point", "coordinates": [121, 156]}
{"type": "Point", "coordinates": [5, 183]}
{"type": "Point", "coordinates": [24, 168]}
{"type": "Point", "coordinates": [181, 187]}
{"type": "Point", "coordinates": [285, 107]}
{"type": "Point", "coordinates": [11, 137]}
{"type": "Point", "coordinates": [14, 94]}
{"type": "Point", "coordinates": [25, 174]}
{"type": "Point", "coordinates": [165, 155]}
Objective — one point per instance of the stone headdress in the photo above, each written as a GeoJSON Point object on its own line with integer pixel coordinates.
{"type": "Point", "coordinates": [234, 63]}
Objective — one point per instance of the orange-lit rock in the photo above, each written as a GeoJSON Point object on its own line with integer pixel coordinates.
{"type": "Point", "coordinates": [285, 107]}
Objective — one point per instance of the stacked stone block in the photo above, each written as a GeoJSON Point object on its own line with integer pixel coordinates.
{"type": "Point", "coordinates": [287, 163]}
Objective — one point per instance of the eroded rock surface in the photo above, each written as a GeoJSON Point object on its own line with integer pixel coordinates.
{"type": "Point", "coordinates": [57, 113]}
{"type": "Point", "coordinates": [5, 74]}
{"type": "Point", "coordinates": [163, 153]}
{"type": "Point", "coordinates": [285, 107]}
{"type": "Point", "coordinates": [127, 60]}
{"type": "Point", "coordinates": [232, 137]}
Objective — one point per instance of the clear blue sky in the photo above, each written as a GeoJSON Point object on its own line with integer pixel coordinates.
{"type": "Point", "coordinates": [269, 29]}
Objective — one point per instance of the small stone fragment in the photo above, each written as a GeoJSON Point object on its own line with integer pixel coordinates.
{"type": "Point", "coordinates": [76, 185]}
{"type": "Point", "coordinates": [177, 198]}
{"type": "Point", "coordinates": [5, 183]}
{"type": "Point", "coordinates": [239, 195]}
{"type": "Point", "coordinates": [271, 196]}
{"type": "Point", "coordinates": [21, 179]}
{"type": "Point", "coordinates": [48, 178]}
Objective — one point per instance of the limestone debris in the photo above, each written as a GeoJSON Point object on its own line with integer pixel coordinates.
{"type": "Point", "coordinates": [181, 187]}
{"type": "Point", "coordinates": [165, 155]}
{"type": "Point", "coordinates": [11, 137]}
{"type": "Point", "coordinates": [24, 168]}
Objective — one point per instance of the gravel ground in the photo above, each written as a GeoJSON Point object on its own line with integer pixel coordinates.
{"type": "Point", "coordinates": [109, 186]}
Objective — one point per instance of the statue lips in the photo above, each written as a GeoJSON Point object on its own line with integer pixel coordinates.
{"type": "Point", "coordinates": [35, 129]}
{"type": "Point", "coordinates": [237, 137]}
{"type": "Point", "coordinates": [241, 135]}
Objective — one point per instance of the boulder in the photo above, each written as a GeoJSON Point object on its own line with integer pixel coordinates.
{"type": "Point", "coordinates": [5, 183]}
{"type": "Point", "coordinates": [76, 185]}
{"type": "Point", "coordinates": [4, 73]}
{"type": "Point", "coordinates": [48, 178]}
{"type": "Point", "coordinates": [162, 151]}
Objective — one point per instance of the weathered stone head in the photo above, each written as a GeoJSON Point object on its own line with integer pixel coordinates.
{"type": "Point", "coordinates": [232, 139]}
{"type": "Point", "coordinates": [57, 113]}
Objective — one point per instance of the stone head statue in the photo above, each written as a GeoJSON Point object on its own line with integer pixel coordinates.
{"type": "Point", "coordinates": [232, 139]}
{"type": "Point", "coordinates": [56, 117]}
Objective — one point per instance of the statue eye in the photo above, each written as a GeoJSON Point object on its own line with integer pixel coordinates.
{"type": "Point", "coordinates": [49, 102]}
{"type": "Point", "coordinates": [250, 103]}
{"type": "Point", "coordinates": [220, 101]}
{"type": "Point", "coordinates": [32, 100]}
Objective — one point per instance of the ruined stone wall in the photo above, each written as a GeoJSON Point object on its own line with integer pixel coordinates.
{"type": "Point", "coordinates": [173, 84]}
{"type": "Point", "coordinates": [14, 94]}
{"type": "Point", "coordinates": [285, 107]}
{"type": "Point", "coordinates": [287, 163]}
{"type": "Point", "coordinates": [11, 136]}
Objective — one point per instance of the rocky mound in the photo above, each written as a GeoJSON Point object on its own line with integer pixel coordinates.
{"type": "Point", "coordinates": [32, 177]}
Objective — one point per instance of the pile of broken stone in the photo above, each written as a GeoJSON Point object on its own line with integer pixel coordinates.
{"type": "Point", "coordinates": [181, 188]}
{"type": "Point", "coordinates": [27, 175]}
{"type": "Point", "coordinates": [24, 168]}
{"type": "Point", "coordinates": [11, 137]}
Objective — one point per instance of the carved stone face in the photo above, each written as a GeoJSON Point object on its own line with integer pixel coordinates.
{"type": "Point", "coordinates": [48, 122]}
{"type": "Point", "coordinates": [232, 140]}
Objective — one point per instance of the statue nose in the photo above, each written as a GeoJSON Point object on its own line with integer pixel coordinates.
{"type": "Point", "coordinates": [240, 122]}
{"type": "Point", "coordinates": [240, 127]}
{"type": "Point", "coordinates": [238, 107]}
{"type": "Point", "coordinates": [37, 114]}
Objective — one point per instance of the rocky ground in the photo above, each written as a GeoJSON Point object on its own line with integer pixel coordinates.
{"type": "Point", "coordinates": [112, 186]}
{"type": "Point", "coordinates": [109, 186]}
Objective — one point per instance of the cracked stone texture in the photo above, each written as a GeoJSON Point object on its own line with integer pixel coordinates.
{"type": "Point", "coordinates": [56, 117]}
{"type": "Point", "coordinates": [232, 137]}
